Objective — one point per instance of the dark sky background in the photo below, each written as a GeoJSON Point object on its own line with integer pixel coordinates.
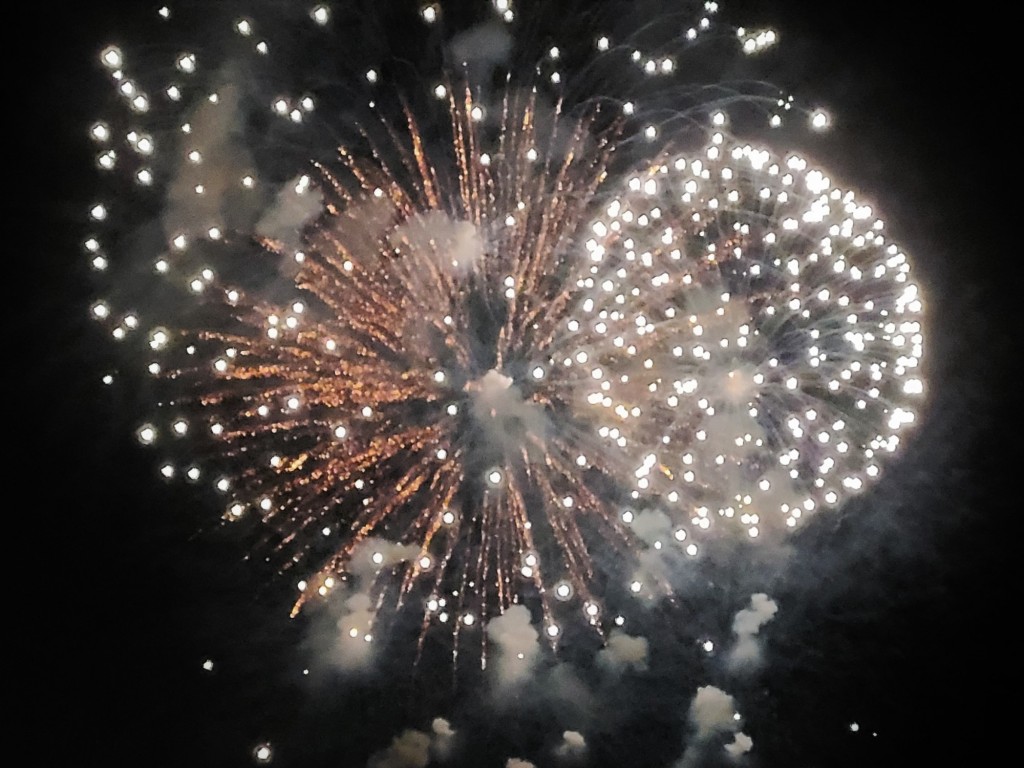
{"type": "Point", "coordinates": [897, 614]}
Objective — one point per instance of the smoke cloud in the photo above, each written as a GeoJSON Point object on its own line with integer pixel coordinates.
{"type": "Point", "coordinates": [416, 749]}
{"type": "Point", "coordinates": [516, 643]}
{"type": "Point", "coordinates": [713, 718]}
{"type": "Point", "coordinates": [294, 206]}
{"type": "Point", "coordinates": [410, 749]}
{"type": "Point", "coordinates": [572, 747]}
{"type": "Point", "coordinates": [434, 236]}
{"type": "Point", "coordinates": [480, 49]}
{"type": "Point", "coordinates": [623, 652]}
{"type": "Point", "coordinates": [746, 651]}
{"type": "Point", "coordinates": [509, 421]}
{"type": "Point", "coordinates": [443, 743]}
{"type": "Point", "coordinates": [351, 643]}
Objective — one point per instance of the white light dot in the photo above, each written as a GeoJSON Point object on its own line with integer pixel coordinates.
{"type": "Point", "coordinates": [263, 753]}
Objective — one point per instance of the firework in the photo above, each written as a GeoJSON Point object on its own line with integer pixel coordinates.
{"type": "Point", "coordinates": [458, 360]}
{"type": "Point", "coordinates": [750, 327]}
{"type": "Point", "coordinates": [399, 398]}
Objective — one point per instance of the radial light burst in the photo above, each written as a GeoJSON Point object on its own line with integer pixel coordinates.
{"type": "Point", "coordinates": [747, 323]}
{"type": "Point", "coordinates": [457, 359]}
{"type": "Point", "coordinates": [399, 398]}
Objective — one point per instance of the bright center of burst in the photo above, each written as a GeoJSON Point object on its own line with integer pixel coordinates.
{"type": "Point", "coordinates": [491, 382]}
{"type": "Point", "coordinates": [504, 421]}
{"type": "Point", "coordinates": [737, 386]}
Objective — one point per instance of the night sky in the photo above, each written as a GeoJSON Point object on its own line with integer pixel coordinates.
{"type": "Point", "coordinates": [895, 613]}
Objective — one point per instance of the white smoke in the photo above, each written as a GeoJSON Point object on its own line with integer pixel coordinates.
{"type": "Point", "coordinates": [509, 421]}
{"type": "Point", "coordinates": [374, 555]}
{"type": "Point", "coordinates": [352, 645]}
{"type": "Point", "coordinates": [295, 205]}
{"type": "Point", "coordinates": [713, 717]}
{"type": "Point", "coordinates": [655, 565]}
{"type": "Point", "coordinates": [652, 526]}
{"type": "Point", "coordinates": [206, 187]}
{"type": "Point", "coordinates": [416, 749]}
{"type": "Point", "coordinates": [410, 749]}
{"type": "Point", "coordinates": [516, 643]}
{"type": "Point", "coordinates": [443, 739]}
{"type": "Point", "coordinates": [572, 747]}
{"type": "Point", "coordinates": [212, 154]}
{"type": "Point", "coordinates": [623, 652]}
{"type": "Point", "coordinates": [353, 649]}
{"type": "Point", "coordinates": [746, 651]}
{"type": "Point", "coordinates": [435, 237]}
{"type": "Point", "coordinates": [740, 745]}
{"type": "Point", "coordinates": [481, 47]}
{"type": "Point", "coordinates": [712, 710]}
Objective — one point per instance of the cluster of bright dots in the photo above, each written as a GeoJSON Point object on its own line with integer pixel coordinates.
{"type": "Point", "coordinates": [751, 318]}
{"type": "Point", "coordinates": [745, 334]}
{"type": "Point", "coordinates": [296, 108]}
